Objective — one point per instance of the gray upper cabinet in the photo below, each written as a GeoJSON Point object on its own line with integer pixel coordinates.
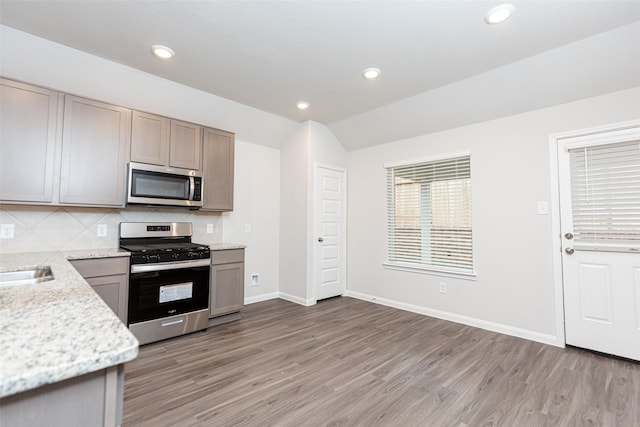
{"type": "Point", "coordinates": [95, 150]}
{"type": "Point", "coordinates": [184, 147]}
{"type": "Point", "coordinates": [217, 169]}
{"type": "Point", "coordinates": [162, 141]}
{"type": "Point", "coordinates": [150, 139]}
{"type": "Point", "coordinates": [30, 125]}
{"type": "Point", "coordinates": [62, 149]}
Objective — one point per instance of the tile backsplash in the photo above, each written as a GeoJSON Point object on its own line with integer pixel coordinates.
{"type": "Point", "coordinates": [49, 228]}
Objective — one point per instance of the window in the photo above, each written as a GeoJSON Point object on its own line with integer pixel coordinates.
{"type": "Point", "coordinates": [429, 215]}
{"type": "Point", "coordinates": [605, 194]}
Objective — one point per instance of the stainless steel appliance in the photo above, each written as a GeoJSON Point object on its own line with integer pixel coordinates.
{"type": "Point", "coordinates": [168, 280]}
{"type": "Point", "coordinates": [159, 185]}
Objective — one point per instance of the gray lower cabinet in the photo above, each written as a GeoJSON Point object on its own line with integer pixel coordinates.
{"type": "Point", "coordinates": [93, 399]}
{"type": "Point", "coordinates": [227, 282]}
{"type": "Point", "coordinates": [109, 278]}
{"type": "Point", "coordinates": [95, 149]}
{"type": "Point", "coordinates": [162, 141]}
{"type": "Point", "coordinates": [218, 149]}
{"type": "Point", "coordinates": [30, 133]}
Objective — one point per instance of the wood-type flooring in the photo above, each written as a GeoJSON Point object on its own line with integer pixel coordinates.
{"type": "Point", "coordinates": [347, 362]}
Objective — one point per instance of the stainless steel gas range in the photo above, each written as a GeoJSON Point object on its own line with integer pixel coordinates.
{"type": "Point", "coordinates": [168, 281]}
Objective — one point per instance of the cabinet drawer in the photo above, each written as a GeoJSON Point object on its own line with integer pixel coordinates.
{"type": "Point", "coordinates": [101, 266]}
{"type": "Point", "coordinates": [227, 256]}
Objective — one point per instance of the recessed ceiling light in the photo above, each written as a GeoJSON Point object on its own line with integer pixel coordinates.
{"type": "Point", "coordinates": [371, 73]}
{"type": "Point", "coordinates": [302, 105]}
{"type": "Point", "coordinates": [498, 14]}
{"type": "Point", "coordinates": [162, 51]}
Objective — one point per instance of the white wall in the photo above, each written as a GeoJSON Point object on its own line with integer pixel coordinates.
{"type": "Point", "coordinates": [514, 290]}
{"type": "Point", "coordinates": [294, 166]}
{"type": "Point", "coordinates": [326, 150]}
{"type": "Point", "coordinates": [257, 204]}
{"type": "Point", "coordinates": [311, 143]}
{"type": "Point", "coordinates": [41, 62]}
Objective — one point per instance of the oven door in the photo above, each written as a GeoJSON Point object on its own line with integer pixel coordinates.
{"type": "Point", "coordinates": [167, 289]}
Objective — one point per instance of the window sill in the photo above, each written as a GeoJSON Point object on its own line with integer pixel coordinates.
{"type": "Point", "coordinates": [430, 271]}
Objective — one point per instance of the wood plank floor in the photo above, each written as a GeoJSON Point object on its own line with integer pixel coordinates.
{"type": "Point", "coordinates": [346, 362]}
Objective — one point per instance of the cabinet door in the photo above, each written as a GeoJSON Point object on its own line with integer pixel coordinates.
{"type": "Point", "coordinates": [217, 170]}
{"type": "Point", "coordinates": [109, 277]}
{"type": "Point", "coordinates": [227, 289]}
{"type": "Point", "coordinates": [28, 136]}
{"type": "Point", "coordinates": [149, 139]}
{"type": "Point", "coordinates": [185, 145]}
{"type": "Point", "coordinates": [112, 290]}
{"type": "Point", "coordinates": [95, 143]}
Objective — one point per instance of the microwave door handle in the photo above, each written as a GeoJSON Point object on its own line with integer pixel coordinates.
{"type": "Point", "coordinates": [192, 187]}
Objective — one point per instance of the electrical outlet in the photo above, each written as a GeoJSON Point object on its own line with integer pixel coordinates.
{"type": "Point", "coordinates": [7, 231]}
{"type": "Point", "coordinates": [255, 280]}
{"type": "Point", "coordinates": [443, 288]}
{"type": "Point", "coordinates": [247, 228]}
{"type": "Point", "coordinates": [209, 228]}
{"type": "Point", "coordinates": [101, 230]}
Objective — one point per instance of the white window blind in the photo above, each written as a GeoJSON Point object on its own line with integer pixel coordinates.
{"type": "Point", "coordinates": [429, 215]}
{"type": "Point", "coordinates": [605, 193]}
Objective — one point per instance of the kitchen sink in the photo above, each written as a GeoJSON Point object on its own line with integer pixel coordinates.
{"type": "Point", "coordinates": [26, 277]}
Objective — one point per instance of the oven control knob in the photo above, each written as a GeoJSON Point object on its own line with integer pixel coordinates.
{"type": "Point", "coordinates": [175, 256]}
{"type": "Point", "coordinates": [153, 258]}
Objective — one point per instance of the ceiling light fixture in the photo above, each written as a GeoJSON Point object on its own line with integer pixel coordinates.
{"type": "Point", "coordinates": [498, 14]}
{"type": "Point", "coordinates": [371, 73]}
{"type": "Point", "coordinates": [162, 51]}
{"type": "Point", "coordinates": [302, 105]}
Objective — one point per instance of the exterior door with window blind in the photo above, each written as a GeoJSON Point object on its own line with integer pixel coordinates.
{"type": "Point", "coordinates": [600, 224]}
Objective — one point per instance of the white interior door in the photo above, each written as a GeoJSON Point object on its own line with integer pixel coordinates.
{"type": "Point", "coordinates": [329, 226]}
{"type": "Point", "coordinates": [599, 176]}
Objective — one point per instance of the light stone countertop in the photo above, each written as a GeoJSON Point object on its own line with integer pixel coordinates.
{"type": "Point", "coordinates": [59, 329]}
{"type": "Point", "coordinates": [225, 246]}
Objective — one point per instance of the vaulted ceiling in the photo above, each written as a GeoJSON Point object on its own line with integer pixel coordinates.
{"type": "Point", "coordinates": [442, 65]}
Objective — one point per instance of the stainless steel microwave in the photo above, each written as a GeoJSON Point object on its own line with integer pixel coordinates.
{"type": "Point", "coordinates": [159, 185]}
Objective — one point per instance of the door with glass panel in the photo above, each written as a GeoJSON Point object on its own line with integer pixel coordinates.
{"type": "Point", "coordinates": [599, 177]}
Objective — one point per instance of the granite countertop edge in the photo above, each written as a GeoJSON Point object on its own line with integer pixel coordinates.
{"type": "Point", "coordinates": [226, 246]}
{"type": "Point", "coordinates": [58, 329]}
{"type": "Point", "coordinates": [66, 313]}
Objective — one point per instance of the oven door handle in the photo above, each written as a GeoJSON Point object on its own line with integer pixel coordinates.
{"type": "Point", "coordinates": [161, 266]}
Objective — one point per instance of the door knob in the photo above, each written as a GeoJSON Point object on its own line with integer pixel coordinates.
{"type": "Point", "coordinates": [569, 251]}
{"type": "Point", "coordinates": [568, 236]}
{"type": "Point", "coordinates": [320, 239]}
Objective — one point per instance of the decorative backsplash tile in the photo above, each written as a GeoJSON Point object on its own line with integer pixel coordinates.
{"type": "Point", "coordinates": [48, 228]}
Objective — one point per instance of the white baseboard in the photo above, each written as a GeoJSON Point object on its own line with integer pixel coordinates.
{"type": "Point", "coordinates": [470, 321]}
{"type": "Point", "coordinates": [260, 298]}
{"type": "Point", "coordinates": [281, 295]}
{"type": "Point", "coordinates": [296, 299]}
